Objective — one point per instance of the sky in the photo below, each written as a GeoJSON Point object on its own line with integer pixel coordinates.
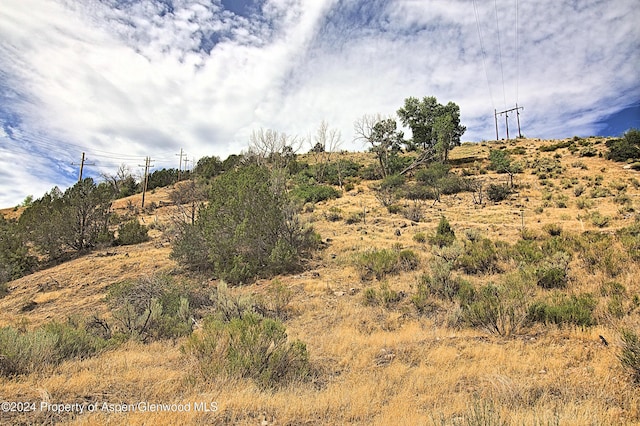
{"type": "Point", "coordinates": [122, 80]}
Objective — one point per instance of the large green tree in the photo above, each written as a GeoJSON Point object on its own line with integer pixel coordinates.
{"type": "Point", "coordinates": [434, 126]}
{"type": "Point", "coordinates": [15, 260]}
{"type": "Point", "coordinates": [74, 220]}
{"type": "Point", "coordinates": [385, 140]}
{"type": "Point", "coordinates": [248, 229]}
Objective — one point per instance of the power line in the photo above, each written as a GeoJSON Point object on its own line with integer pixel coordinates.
{"type": "Point", "coordinates": [484, 54]}
{"type": "Point", "coordinates": [504, 94]}
{"type": "Point", "coordinates": [517, 59]}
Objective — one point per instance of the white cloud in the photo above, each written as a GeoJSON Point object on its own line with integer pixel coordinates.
{"type": "Point", "coordinates": [141, 78]}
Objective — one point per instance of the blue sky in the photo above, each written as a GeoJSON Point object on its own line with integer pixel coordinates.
{"type": "Point", "coordinates": [124, 79]}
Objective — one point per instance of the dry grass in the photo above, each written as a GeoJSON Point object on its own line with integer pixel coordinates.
{"type": "Point", "coordinates": [374, 365]}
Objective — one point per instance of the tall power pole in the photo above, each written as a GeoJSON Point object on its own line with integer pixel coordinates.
{"type": "Point", "coordinates": [506, 119]}
{"type": "Point", "coordinates": [82, 164]}
{"type": "Point", "coordinates": [180, 164]}
{"type": "Point", "coordinates": [146, 178]}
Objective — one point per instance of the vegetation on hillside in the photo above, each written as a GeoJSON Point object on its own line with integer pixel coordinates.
{"type": "Point", "coordinates": [517, 256]}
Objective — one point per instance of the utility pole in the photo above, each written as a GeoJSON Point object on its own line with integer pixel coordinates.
{"type": "Point", "coordinates": [506, 119]}
{"type": "Point", "coordinates": [179, 164]}
{"type": "Point", "coordinates": [146, 178]}
{"type": "Point", "coordinates": [82, 164]}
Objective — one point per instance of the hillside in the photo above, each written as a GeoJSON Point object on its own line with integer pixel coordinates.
{"type": "Point", "coordinates": [382, 351]}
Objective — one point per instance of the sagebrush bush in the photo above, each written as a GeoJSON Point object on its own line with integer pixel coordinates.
{"type": "Point", "coordinates": [499, 309]}
{"type": "Point", "coordinates": [150, 308]}
{"type": "Point", "coordinates": [25, 352]}
{"type": "Point", "coordinates": [379, 263]}
{"type": "Point", "coordinates": [554, 272]}
{"type": "Point", "coordinates": [441, 282]}
{"type": "Point", "coordinates": [385, 296]}
{"type": "Point", "coordinates": [479, 257]}
{"type": "Point", "coordinates": [630, 354]}
{"type": "Point", "coordinates": [498, 192]}
{"type": "Point", "coordinates": [249, 347]}
{"type": "Point", "coordinates": [563, 310]}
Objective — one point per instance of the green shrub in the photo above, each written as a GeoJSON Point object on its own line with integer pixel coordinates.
{"type": "Point", "coordinates": [630, 354]}
{"type": "Point", "coordinates": [334, 214]}
{"type": "Point", "coordinates": [498, 192]}
{"type": "Point", "coordinates": [131, 232]}
{"type": "Point", "coordinates": [354, 218]}
{"type": "Point", "coordinates": [444, 236]}
{"type": "Point", "coordinates": [599, 220]}
{"type": "Point", "coordinates": [554, 273]}
{"type": "Point", "coordinates": [249, 347]}
{"type": "Point", "coordinates": [250, 228]}
{"type": "Point", "coordinates": [310, 193]}
{"type": "Point", "coordinates": [479, 256]}
{"type": "Point", "coordinates": [440, 282]}
{"type": "Point", "coordinates": [574, 310]}
{"type": "Point", "coordinates": [420, 237]}
{"type": "Point", "coordinates": [151, 308]}
{"type": "Point", "coordinates": [394, 208]}
{"type": "Point", "coordinates": [555, 146]}
{"type": "Point", "coordinates": [25, 352]}
{"type": "Point", "coordinates": [379, 263]}
{"type": "Point", "coordinates": [627, 148]}
{"type": "Point", "coordinates": [499, 309]}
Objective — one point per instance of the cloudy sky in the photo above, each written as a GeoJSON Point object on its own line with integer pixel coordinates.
{"type": "Point", "coordinates": [124, 79]}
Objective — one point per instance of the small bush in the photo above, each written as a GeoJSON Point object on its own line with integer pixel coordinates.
{"type": "Point", "coordinates": [131, 232]}
{"type": "Point", "coordinates": [420, 237]}
{"type": "Point", "coordinates": [353, 218]}
{"type": "Point", "coordinates": [151, 308]}
{"type": "Point", "coordinates": [413, 212]}
{"type": "Point", "coordinates": [599, 220]}
{"type": "Point", "coordinates": [553, 229]}
{"type": "Point", "coordinates": [497, 193]}
{"type": "Point", "coordinates": [379, 263]}
{"type": "Point", "coordinates": [480, 256]}
{"type": "Point", "coordinates": [309, 193]}
{"type": "Point", "coordinates": [394, 208]}
{"type": "Point", "coordinates": [386, 296]}
{"type": "Point", "coordinates": [25, 352]}
{"type": "Point", "coordinates": [249, 347]}
{"type": "Point", "coordinates": [554, 273]}
{"type": "Point", "coordinates": [334, 214]}
{"type": "Point", "coordinates": [445, 236]}
{"type": "Point", "coordinates": [574, 310]}
{"type": "Point", "coordinates": [441, 283]}
{"type": "Point", "coordinates": [500, 309]}
{"type": "Point", "coordinates": [630, 354]}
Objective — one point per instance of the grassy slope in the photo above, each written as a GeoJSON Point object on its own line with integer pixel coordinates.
{"type": "Point", "coordinates": [379, 366]}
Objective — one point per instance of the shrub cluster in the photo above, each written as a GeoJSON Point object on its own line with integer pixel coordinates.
{"type": "Point", "coordinates": [379, 263]}
{"type": "Point", "coordinates": [574, 310]}
{"type": "Point", "coordinates": [25, 352]}
{"type": "Point", "coordinates": [249, 229]}
{"type": "Point", "coordinates": [249, 346]}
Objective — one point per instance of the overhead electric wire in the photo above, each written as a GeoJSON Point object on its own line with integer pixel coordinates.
{"type": "Point", "coordinates": [504, 93]}
{"type": "Point", "coordinates": [484, 54]}
{"type": "Point", "coordinates": [517, 59]}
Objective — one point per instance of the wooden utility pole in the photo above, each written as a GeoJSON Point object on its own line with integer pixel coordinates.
{"type": "Point", "coordinates": [506, 119]}
{"type": "Point", "coordinates": [180, 164]}
{"type": "Point", "coordinates": [82, 164]}
{"type": "Point", "coordinates": [146, 178]}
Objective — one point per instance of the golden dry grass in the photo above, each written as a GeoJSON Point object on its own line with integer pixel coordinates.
{"type": "Point", "coordinates": [375, 365]}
